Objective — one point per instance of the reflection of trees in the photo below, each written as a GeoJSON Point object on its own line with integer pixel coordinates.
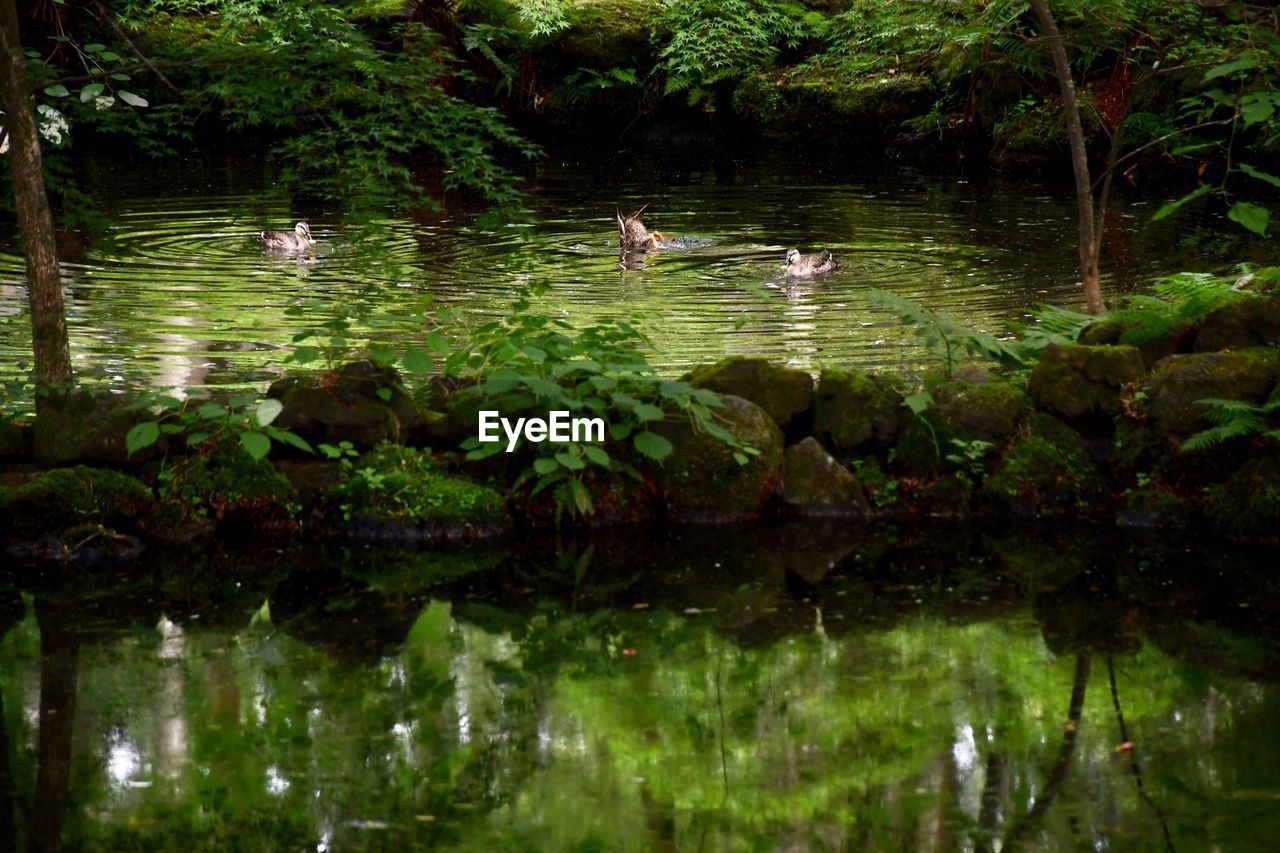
{"type": "Point", "coordinates": [59, 666]}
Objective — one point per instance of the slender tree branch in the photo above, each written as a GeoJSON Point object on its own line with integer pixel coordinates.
{"type": "Point", "coordinates": [111, 22]}
{"type": "Point", "coordinates": [1135, 152]}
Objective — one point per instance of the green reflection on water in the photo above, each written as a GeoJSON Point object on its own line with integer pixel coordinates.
{"type": "Point", "coordinates": [910, 698]}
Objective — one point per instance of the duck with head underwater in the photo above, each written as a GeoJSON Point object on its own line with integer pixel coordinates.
{"type": "Point", "coordinates": [633, 235]}
{"type": "Point", "coordinates": [804, 266]}
{"type": "Point", "coordinates": [297, 240]}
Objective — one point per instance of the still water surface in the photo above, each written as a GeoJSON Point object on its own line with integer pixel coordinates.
{"type": "Point", "coordinates": [789, 688]}
{"type": "Point", "coordinates": [172, 290]}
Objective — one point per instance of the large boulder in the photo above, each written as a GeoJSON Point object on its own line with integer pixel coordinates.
{"type": "Point", "coordinates": [1180, 382]}
{"type": "Point", "coordinates": [87, 426]}
{"type": "Point", "coordinates": [1046, 471]}
{"type": "Point", "coordinates": [1154, 340]}
{"type": "Point", "coordinates": [783, 392]}
{"type": "Point", "coordinates": [1076, 381]}
{"type": "Point", "coordinates": [815, 485]}
{"type": "Point", "coordinates": [225, 490]}
{"type": "Point", "coordinates": [70, 497]}
{"type": "Point", "coordinates": [990, 411]}
{"type": "Point", "coordinates": [1247, 506]}
{"type": "Point", "coordinates": [704, 481]}
{"type": "Point", "coordinates": [852, 408]}
{"type": "Point", "coordinates": [361, 402]}
{"type": "Point", "coordinates": [607, 33]}
{"type": "Point", "coordinates": [1240, 325]}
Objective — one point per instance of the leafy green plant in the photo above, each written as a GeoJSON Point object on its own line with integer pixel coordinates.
{"type": "Point", "coordinates": [1235, 419]}
{"type": "Point", "coordinates": [946, 336]}
{"type": "Point", "coordinates": [969, 457]}
{"type": "Point", "coordinates": [529, 363]}
{"type": "Point", "coordinates": [243, 420]}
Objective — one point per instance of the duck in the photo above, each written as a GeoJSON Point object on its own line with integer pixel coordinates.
{"type": "Point", "coordinates": [633, 235]}
{"type": "Point", "coordinates": [297, 240]}
{"type": "Point", "coordinates": [799, 265]}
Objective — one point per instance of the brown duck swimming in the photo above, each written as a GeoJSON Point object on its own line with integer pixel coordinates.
{"type": "Point", "coordinates": [633, 235]}
{"type": "Point", "coordinates": [297, 240]}
{"type": "Point", "coordinates": [803, 266]}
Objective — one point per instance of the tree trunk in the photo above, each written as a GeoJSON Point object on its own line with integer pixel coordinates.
{"type": "Point", "coordinates": [1079, 161]}
{"type": "Point", "coordinates": [44, 282]}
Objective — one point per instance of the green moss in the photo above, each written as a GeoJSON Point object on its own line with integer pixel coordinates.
{"type": "Point", "coordinates": [608, 33]}
{"type": "Point", "coordinates": [219, 484]}
{"type": "Point", "coordinates": [801, 101]}
{"type": "Point", "coordinates": [852, 408]}
{"type": "Point", "coordinates": [1048, 468]}
{"type": "Point", "coordinates": [990, 411]}
{"type": "Point", "coordinates": [392, 483]}
{"type": "Point", "coordinates": [701, 481]}
{"type": "Point", "coordinates": [1248, 504]}
{"type": "Point", "coordinates": [67, 497]}
{"type": "Point", "coordinates": [783, 392]}
{"type": "Point", "coordinates": [923, 446]}
{"type": "Point", "coordinates": [1240, 325]}
{"type": "Point", "coordinates": [1180, 382]}
{"type": "Point", "coordinates": [1077, 381]}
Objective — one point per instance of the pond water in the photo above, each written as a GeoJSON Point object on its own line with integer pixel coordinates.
{"type": "Point", "coordinates": [780, 688]}
{"type": "Point", "coordinates": [172, 290]}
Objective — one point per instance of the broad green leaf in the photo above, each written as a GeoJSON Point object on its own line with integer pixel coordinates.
{"type": "Point", "coordinates": [647, 412]}
{"type": "Point", "coordinates": [57, 91]}
{"type": "Point", "coordinates": [1260, 175]}
{"type": "Point", "coordinates": [255, 443]}
{"type": "Point", "coordinates": [132, 100]}
{"type": "Point", "coordinates": [568, 460]}
{"type": "Point", "coordinates": [917, 403]}
{"type": "Point", "coordinates": [291, 438]}
{"type": "Point", "coordinates": [652, 445]}
{"type": "Point", "coordinates": [268, 411]}
{"type": "Point", "coordinates": [195, 438]}
{"type": "Point", "coordinates": [581, 497]}
{"type": "Point", "coordinates": [596, 455]}
{"type": "Point", "coordinates": [211, 411]}
{"type": "Point", "coordinates": [384, 394]}
{"type": "Point", "coordinates": [1251, 216]}
{"type": "Point", "coordinates": [1173, 206]}
{"type": "Point", "coordinates": [305, 355]}
{"type": "Point", "coordinates": [382, 356]}
{"type": "Point", "coordinates": [142, 435]}
{"type": "Point", "coordinates": [1244, 63]}
{"type": "Point", "coordinates": [88, 93]}
{"type": "Point", "coordinates": [545, 465]}
{"type": "Point", "coordinates": [417, 361]}
{"type": "Point", "coordinates": [438, 344]}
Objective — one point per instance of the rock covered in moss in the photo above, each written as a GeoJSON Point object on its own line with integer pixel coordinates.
{"type": "Point", "coordinates": [1180, 382]}
{"type": "Point", "coordinates": [816, 99]}
{"type": "Point", "coordinates": [946, 497]}
{"type": "Point", "coordinates": [1046, 471]}
{"type": "Point", "coordinates": [1247, 506]}
{"type": "Point", "coordinates": [989, 411]}
{"type": "Point", "coordinates": [1076, 381]}
{"type": "Point", "coordinates": [1153, 508]}
{"type": "Point", "coordinates": [814, 484]}
{"type": "Point", "coordinates": [65, 498]}
{"type": "Point", "coordinates": [87, 426]}
{"type": "Point", "coordinates": [1242, 324]}
{"type": "Point", "coordinates": [1154, 339]}
{"type": "Point", "coordinates": [361, 402]}
{"type": "Point", "coordinates": [703, 481]}
{"type": "Point", "coordinates": [923, 445]}
{"type": "Point", "coordinates": [400, 495]}
{"type": "Point", "coordinates": [15, 439]}
{"type": "Point", "coordinates": [852, 408]}
{"type": "Point", "coordinates": [783, 392]}
{"type": "Point", "coordinates": [607, 33]}
{"type": "Point", "coordinates": [229, 490]}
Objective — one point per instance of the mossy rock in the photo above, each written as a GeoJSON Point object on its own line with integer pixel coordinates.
{"type": "Point", "coordinates": [1180, 382]}
{"type": "Point", "coordinates": [15, 439]}
{"type": "Point", "coordinates": [815, 485]}
{"type": "Point", "coordinates": [399, 494]}
{"type": "Point", "coordinates": [1137, 447]}
{"type": "Point", "coordinates": [1247, 506]}
{"type": "Point", "coordinates": [65, 498]}
{"type": "Point", "coordinates": [1237, 325]}
{"type": "Point", "coordinates": [783, 392]}
{"type": "Point", "coordinates": [701, 481]}
{"type": "Point", "coordinates": [946, 497]}
{"type": "Point", "coordinates": [923, 445]}
{"type": "Point", "coordinates": [817, 99]}
{"type": "Point", "coordinates": [1076, 381]}
{"type": "Point", "coordinates": [361, 402]}
{"type": "Point", "coordinates": [990, 411]}
{"type": "Point", "coordinates": [1153, 342]}
{"type": "Point", "coordinates": [608, 33]}
{"type": "Point", "coordinates": [1153, 508]}
{"type": "Point", "coordinates": [226, 489]}
{"type": "Point", "coordinates": [852, 408]}
{"type": "Point", "coordinates": [87, 426]}
{"type": "Point", "coordinates": [1046, 471]}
